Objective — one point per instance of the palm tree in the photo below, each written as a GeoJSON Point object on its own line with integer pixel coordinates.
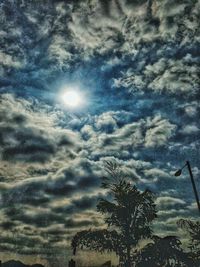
{"type": "Point", "coordinates": [128, 217]}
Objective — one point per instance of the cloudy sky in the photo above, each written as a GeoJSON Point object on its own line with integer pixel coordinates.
{"type": "Point", "coordinates": [134, 68]}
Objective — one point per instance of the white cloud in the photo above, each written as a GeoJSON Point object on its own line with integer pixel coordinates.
{"type": "Point", "coordinates": [167, 202]}
{"type": "Point", "coordinates": [190, 129]}
{"type": "Point", "coordinates": [10, 61]}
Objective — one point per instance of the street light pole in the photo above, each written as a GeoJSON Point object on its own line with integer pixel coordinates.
{"type": "Point", "coordinates": [178, 173]}
{"type": "Point", "coordinates": [193, 184]}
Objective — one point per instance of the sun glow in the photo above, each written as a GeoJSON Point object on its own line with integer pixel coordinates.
{"type": "Point", "coordinates": [72, 98]}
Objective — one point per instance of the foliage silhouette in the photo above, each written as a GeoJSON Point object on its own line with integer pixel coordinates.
{"type": "Point", "coordinates": [164, 252]}
{"type": "Point", "coordinates": [193, 229]}
{"type": "Point", "coordinates": [128, 217]}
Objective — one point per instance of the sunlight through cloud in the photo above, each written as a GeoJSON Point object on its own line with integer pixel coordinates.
{"type": "Point", "coordinates": [71, 97]}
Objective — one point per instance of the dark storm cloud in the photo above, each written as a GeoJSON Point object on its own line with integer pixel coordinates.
{"type": "Point", "coordinates": [82, 223]}
{"type": "Point", "coordinates": [82, 176]}
{"type": "Point", "coordinates": [7, 225]}
{"type": "Point", "coordinates": [78, 205]}
{"type": "Point", "coordinates": [32, 217]}
{"type": "Point", "coordinates": [29, 135]}
{"type": "Point", "coordinates": [25, 245]}
{"type": "Point", "coordinates": [25, 193]}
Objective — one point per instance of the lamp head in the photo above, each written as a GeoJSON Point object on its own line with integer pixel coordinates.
{"type": "Point", "coordinates": [178, 173]}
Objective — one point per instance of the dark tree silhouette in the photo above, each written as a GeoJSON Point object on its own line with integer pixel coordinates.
{"type": "Point", "coordinates": [193, 229]}
{"type": "Point", "coordinates": [128, 216]}
{"type": "Point", "coordinates": [164, 252]}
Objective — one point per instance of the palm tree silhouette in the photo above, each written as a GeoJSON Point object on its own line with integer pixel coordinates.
{"type": "Point", "coordinates": [128, 217]}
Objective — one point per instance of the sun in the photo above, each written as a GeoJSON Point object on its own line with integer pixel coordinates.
{"type": "Point", "coordinates": [72, 98]}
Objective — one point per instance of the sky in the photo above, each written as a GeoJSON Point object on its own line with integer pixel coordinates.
{"type": "Point", "coordinates": [134, 66]}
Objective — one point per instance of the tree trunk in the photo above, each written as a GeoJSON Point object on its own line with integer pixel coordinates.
{"type": "Point", "coordinates": [128, 258]}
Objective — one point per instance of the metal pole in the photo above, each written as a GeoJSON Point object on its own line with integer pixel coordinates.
{"type": "Point", "coordinates": [193, 184]}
